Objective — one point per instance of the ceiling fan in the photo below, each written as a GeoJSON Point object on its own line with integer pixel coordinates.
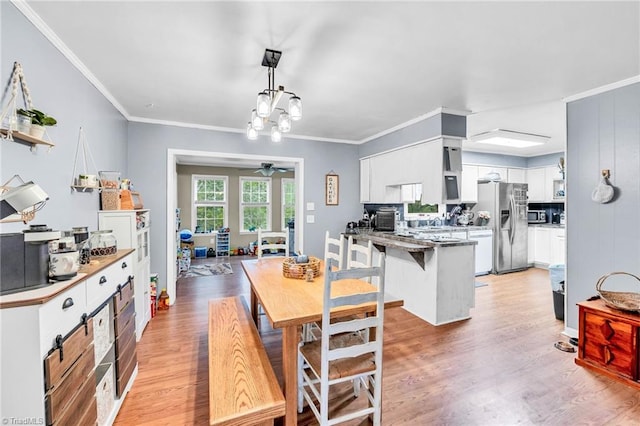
{"type": "Point", "coordinates": [267, 169]}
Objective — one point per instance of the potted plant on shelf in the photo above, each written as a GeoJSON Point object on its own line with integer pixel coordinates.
{"type": "Point", "coordinates": [38, 120]}
{"type": "Point", "coordinates": [24, 120]}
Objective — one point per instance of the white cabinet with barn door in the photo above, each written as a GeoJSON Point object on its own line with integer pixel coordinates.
{"type": "Point", "coordinates": [131, 228]}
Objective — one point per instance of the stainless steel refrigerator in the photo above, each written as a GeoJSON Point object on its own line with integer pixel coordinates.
{"type": "Point", "coordinates": [507, 206]}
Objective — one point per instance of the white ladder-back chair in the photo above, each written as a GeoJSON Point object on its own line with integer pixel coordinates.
{"type": "Point", "coordinates": [334, 249]}
{"type": "Point", "coordinates": [269, 241]}
{"type": "Point", "coordinates": [358, 255]}
{"type": "Point", "coordinates": [342, 354]}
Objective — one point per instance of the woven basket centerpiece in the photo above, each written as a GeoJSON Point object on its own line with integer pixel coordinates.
{"type": "Point", "coordinates": [626, 301]}
{"type": "Point", "coordinates": [292, 269]}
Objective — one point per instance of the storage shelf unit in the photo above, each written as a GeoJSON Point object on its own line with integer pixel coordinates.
{"type": "Point", "coordinates": [131, 228]}
{"type": "Point", "coordinates": [223, 244]}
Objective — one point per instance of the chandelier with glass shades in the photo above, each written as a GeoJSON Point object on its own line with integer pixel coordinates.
{"type": "Point", "coordinates": [267, 104]}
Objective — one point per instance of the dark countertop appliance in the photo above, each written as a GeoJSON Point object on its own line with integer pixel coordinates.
{"type": "Point", "coordinates": [25, 259]}
{"type": "Point", "coordinates": [385, 219]}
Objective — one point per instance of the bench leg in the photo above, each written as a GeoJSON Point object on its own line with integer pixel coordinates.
{"type": "Point", "coordinates": [290, 340]}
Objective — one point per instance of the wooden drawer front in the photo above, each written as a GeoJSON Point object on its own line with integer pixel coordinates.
{"type": "Point", "coordinates": [62, 397]}
{"type": "Point", "coordinates": [611, 343]}
{"type": "Point", "coordinates": [61, 314]}
{"type": "Point", "coordinates": [90, 417]}
{"type": "Point", "coordinates": [55, 369]}
{"type": "Point", "coordinates": [82, 407]}
{"type": "Point", "coordinates": [122, 297]}
{"type": "Point", "coordinates": [122, 321]}
{"type": "Point", "coordinates": [126, 342]}
{"type": "Point", "coordinates": [124, 374]}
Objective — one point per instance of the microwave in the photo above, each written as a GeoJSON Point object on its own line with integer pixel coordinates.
{"type": "Point", "coordinates": [536, 216]}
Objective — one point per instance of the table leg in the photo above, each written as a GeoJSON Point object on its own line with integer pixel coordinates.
{"type": "Point", "coordinates": [254, 308]}
{"type": "Point", "coordinates": [290, 340]}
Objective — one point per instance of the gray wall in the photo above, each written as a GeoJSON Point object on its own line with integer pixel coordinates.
{"type": "Point", "coordinates": [603, 132]}
{"type": "Point", "coordinates": [60, 90]}
{"type": "Point", "coordinates": [147, 154]}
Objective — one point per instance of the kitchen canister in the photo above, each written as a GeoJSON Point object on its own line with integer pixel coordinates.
{"type": "Point", "coordinates": [103, 243]}
{"type": "Point", "coordinates": [63, 265]}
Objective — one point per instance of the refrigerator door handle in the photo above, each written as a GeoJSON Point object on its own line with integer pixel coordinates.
{"type": "Point", "coordinates": [512, 211]}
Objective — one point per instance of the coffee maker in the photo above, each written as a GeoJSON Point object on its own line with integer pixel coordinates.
{"type": "Point", "coordinates": [25, 259]}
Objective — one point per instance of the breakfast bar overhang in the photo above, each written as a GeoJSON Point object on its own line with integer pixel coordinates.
{"type": "Point", "coordinates": [436, 279]}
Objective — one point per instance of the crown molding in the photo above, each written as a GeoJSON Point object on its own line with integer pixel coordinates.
{"type": "Point", "coordinates": [602, 89]}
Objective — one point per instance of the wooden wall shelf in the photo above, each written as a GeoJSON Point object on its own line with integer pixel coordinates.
{"type": "Point", "coordinates": [26, 138]}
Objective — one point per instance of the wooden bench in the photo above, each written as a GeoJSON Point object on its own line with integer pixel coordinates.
{"type": "Point", "coordinates": [243, 389]}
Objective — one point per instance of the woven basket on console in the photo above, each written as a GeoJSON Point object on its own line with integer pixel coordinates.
{"type": "Point", "coordinates": [291, 269]}
{"type": "Point", "coordinates": [626, 301]}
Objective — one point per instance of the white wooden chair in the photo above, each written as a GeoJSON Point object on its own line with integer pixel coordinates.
{"type": "Point", "coordinates": [333, 252]}
{"type": "Point", "coordinates": [358, 255]}
{"type": "Point", "coordinates": [334, 249]}
{"type": "Point", "coordinates": [273, 243]}
{"type": "Point", "coordinates": [342, 354]}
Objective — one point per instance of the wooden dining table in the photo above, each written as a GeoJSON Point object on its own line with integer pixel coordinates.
{"type": "Point", "coordinates": [290, 303]}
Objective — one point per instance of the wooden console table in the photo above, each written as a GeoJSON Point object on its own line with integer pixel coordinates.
{"type": "Point", "coordinates": [609, 341]}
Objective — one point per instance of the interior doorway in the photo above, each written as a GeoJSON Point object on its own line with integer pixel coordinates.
{"type": "Point", "coordinates": [221, 159]}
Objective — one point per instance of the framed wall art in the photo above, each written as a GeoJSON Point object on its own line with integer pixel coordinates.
{"type": "Point", "coordinates": [331, 187]}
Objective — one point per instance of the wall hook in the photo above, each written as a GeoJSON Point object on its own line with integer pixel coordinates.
{"type": "Point", "coordinates": [605, 173]}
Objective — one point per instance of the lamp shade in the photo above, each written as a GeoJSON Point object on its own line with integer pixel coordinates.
{"type": "Point", "coordinates": [284, 122]}
{"type": "Point", "coordinates": [263, 105]}
{"type": "Point", "coordinates": [256, 122]}
{"type": "Point", "coordinates": [252, 133]}
{"type": "Point", "coordinates": [295, 108]}
{"type": "Point", "coordinates": [276, 135]}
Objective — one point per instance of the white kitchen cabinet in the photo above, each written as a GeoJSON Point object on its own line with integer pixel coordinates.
{"type": "Point", "coordinates": [469, 186]}
{"type": "Point", "coordinates": [515, 175]}
{"type": "Point", "coordinates": [542, 247]}
{"type": "Point", "coordinates": [483, 171]}
{"type": "Point", "coordinates": [383, 179]}
{"type": "Point", "coordinates": [553, 182]}
{"type": "Point", "coordinates": [365, 190]}
{"type": "Point", "coordinates": [531, 245]}
{"type": "Point", "coordinates": [131, 228]}
{"type": "Point", "coordinates": [536, 182]}
{"type": "Point", "coordinates": [557, 246]}
{"type": "Point", "coordinates": [29, 324]}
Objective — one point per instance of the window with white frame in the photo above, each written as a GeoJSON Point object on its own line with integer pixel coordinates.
{"type": "Point", "coordinates": [255, 204]}
{"type": "Point", "coordinates": [210, 202]}
{"type": "Point", "coordinates": [288, 201]}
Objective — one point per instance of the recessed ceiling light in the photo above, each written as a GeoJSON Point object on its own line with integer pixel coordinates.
{"type": "Point", "coordinates": [509, 138]}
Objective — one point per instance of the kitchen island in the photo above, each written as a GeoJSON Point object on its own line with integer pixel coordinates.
{"type": "Point", "coordinates": [435, 278]}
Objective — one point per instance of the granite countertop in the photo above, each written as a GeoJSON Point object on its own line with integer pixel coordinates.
{"type": "Point", "coordinates": [411, 244]}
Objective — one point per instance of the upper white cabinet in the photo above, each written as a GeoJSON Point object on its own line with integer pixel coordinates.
{"type": "Point", "coordinates": [516, 175]}
{"type": "Point", "coordinates": [535, 180]}
{"type": "Point", "coordinates": [469, 183]}
{"type": "Point", "coordinates": [544, 184]}
{"type": "Point", "coordinates": [383, 176]}
{"type": "Point", "coordinates": [365, 183]}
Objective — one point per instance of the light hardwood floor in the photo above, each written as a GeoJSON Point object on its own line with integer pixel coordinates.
{"type": "Point", "coordinates": [498, 368]}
